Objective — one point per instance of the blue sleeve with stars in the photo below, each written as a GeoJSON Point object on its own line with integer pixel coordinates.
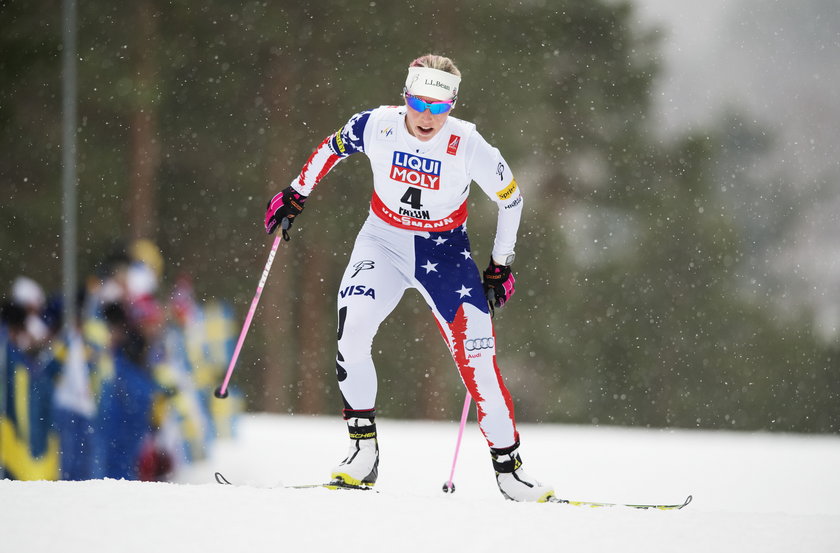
{"type": "Point", "coordinates": [349, 139]}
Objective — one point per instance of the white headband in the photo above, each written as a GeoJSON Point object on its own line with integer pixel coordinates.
{"type": "Point", "coordinates": [432, 83]}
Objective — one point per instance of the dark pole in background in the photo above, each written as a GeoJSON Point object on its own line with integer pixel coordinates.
{"type": "Point", "coordinates": [68, 172]}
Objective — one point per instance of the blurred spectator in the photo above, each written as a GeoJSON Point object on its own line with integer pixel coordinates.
{"type": "Point", "coordinates": [125, 391]}
{"type": "Point", "coordinates": [28, 443]}
{"type": "Point", "coordinates": [74, 401]}
{"type": "Point", "coordinates": [125, 414]}
{"type": "Point", "coordinates": [27, 294]}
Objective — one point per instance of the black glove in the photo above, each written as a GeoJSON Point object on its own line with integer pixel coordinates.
{"type": "Point", "coordinates": [498, 285]}
{"type": "Point", "coordinates": [282, 210]}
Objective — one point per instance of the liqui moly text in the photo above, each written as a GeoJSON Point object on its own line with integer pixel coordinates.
{"type": "Point", "coordinates": [416, 170]}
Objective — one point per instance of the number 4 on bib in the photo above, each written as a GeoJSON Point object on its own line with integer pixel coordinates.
{"type": "Point", "coordinates": [412, 197]}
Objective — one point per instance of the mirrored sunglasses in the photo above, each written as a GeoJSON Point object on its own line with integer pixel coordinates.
{"type": "Point", "coordinates": [435, 108]}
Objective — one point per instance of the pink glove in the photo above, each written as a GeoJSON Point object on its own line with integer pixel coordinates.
{"type": "Point", "coordinates": [498, 284]}
{"type": "Point", "coordinates": [284, 206]}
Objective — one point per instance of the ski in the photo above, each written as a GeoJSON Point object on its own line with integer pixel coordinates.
{"type": "Point", "coordinates": [220, 478]}
{"type": "Point", "coordinates": [673, 507]}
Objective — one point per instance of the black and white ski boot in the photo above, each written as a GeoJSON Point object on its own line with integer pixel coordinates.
{"type": "Point", "coordinates": [361, 466]}
{"type": "Point", "coordinates": [513, 482]}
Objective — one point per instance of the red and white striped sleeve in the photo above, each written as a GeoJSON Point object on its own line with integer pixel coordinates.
{"type": "Point", "coordinates": [344, 142]}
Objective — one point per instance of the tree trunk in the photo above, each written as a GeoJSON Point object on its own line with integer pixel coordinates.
{"type": "Point", "coordinates": [280, 351]}
{"type": "Point", "coordinates": [145, 148]}
{"type": "Point", "coordinates": [317, 331]}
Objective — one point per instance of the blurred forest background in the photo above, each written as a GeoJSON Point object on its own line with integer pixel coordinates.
{"type": "Point", "coordinates": [679, 278]}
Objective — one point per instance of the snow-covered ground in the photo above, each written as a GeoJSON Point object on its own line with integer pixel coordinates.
{"type": "Point", "coordinates": [752, 492]}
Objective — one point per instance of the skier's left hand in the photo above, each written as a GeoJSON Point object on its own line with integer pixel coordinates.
{"type": "Point", "coordinates": [498, 284]}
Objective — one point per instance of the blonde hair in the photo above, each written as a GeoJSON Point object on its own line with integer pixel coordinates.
{"type": "Point", "coordinates": [433, 61]}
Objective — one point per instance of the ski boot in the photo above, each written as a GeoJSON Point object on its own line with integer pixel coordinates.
{"type": "Point", "coordinates": [361, 466]}
{"type": "Point", "coordinates": [512, 480]}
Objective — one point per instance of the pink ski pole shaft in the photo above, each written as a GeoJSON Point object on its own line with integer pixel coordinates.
{"type": "Point", "coordinates": [449, 486]}
{"type": "Point", "coordinates": [222, 391]}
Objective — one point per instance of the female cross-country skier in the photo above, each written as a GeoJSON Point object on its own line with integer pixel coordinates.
{"type": "Point", "coordinates": [415, 236]}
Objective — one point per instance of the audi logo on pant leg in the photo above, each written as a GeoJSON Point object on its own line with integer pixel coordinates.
{"type": "Point", "coordinates": [479, 343]}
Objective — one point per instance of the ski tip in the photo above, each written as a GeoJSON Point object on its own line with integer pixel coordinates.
{"type": "Point", "coordinates": [221, 479]}
{"type": "Point", "coordinates": [677, 506]}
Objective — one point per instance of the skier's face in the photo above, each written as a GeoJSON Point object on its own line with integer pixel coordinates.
{"type": "Point", "coordinates": [424, 124]}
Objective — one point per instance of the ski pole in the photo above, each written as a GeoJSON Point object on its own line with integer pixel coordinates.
{"type": "Point", "coordinates": [222, 391]}
{"type": "Point", "coordinates": [449, 486]}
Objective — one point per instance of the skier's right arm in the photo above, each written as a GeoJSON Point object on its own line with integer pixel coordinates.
{"type": "Point", "coordinates": [288, 203]}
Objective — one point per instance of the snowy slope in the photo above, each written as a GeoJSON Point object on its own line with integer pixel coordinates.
{"type": "Point", "coordinates": [752, 492]}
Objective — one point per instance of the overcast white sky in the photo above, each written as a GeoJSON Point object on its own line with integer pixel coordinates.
{"type": "Point", "coordinates": [691, 31]}
{"type": "Point", "coordinates": [777, 64]}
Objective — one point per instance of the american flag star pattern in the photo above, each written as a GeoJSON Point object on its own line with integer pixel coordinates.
{"type": "Point", "coordinates": [444, 267]}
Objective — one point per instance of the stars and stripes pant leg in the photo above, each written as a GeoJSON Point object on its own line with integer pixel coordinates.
{"type": "Point", "coordinates": [384, 263]}
{"type": "Point", "coordinates": [446, 275]}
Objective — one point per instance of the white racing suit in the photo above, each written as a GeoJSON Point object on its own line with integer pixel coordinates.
{"type": "Point", "coordinates": [415, 237]}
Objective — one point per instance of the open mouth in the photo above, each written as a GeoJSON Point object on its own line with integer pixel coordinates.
{"type": "Point", "coordinates": [425, 130]}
